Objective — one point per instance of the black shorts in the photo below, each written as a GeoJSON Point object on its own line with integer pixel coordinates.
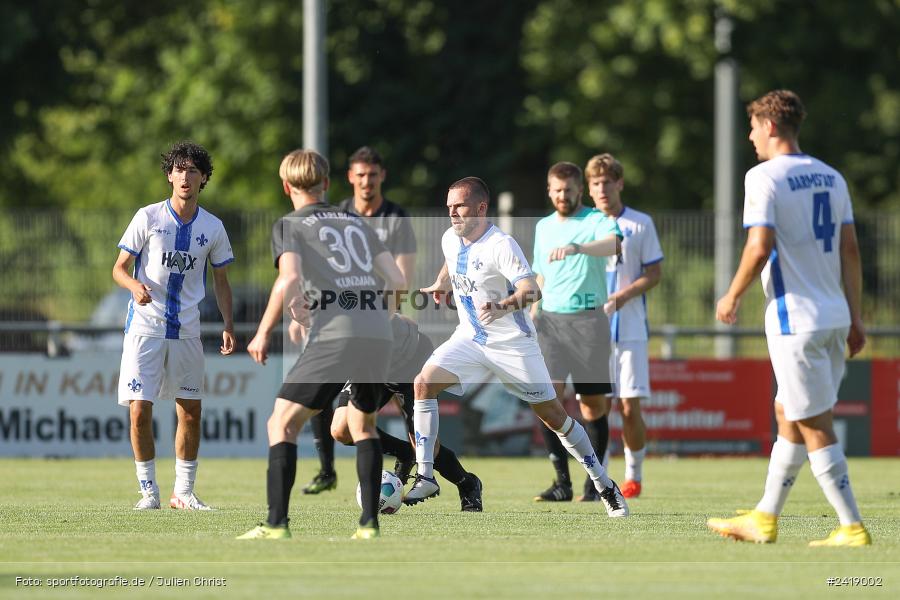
{"type": "Point", "coordinates": [404, 392]}
{"type": "Point", "coordinates": [577, 344]}
{"type": "Point", "coordinates": [325, 367]}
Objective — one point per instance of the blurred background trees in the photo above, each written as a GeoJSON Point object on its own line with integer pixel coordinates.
{"type": "Point", "coordinates": [95, 90]}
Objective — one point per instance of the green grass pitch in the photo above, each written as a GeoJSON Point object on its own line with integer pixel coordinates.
{"type": "Point", "coordinates": [65, 518]}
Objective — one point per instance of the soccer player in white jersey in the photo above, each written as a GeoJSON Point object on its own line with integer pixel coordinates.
{"type": "Point", "coordinates": [492, 284]}
{"type": "Point", "coordinates": [801, 238]}
{"type": "Point", "coordinates": [628, 278]}
{"type": "Point", "coordinates": [168, 245]}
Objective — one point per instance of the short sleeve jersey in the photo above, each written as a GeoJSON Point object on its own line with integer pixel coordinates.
{"type": "Point", "coordinates": [486, 271]}
{"type": "Point", "coordinates": [805, 201]}
{"type": "Point", "coordinates": [337, 252]}
{"type": "Point", "coordinates": [575, 283]}
{"type": "Point", "coordinates": [640, 248]}
{"type": "Point", "coordinates": [170, 259]}
{"type": "Point", "coordinates": [391, 224]}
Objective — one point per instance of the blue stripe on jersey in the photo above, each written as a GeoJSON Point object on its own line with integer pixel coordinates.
{"type": "Point", "coordinates": [519, 318]}
{"type": "Point", "coordinates": [480, 334]}
{"type": "Point", "coordinates": [129, 250]}
{"type": "Point", "coordinates": [462, 259]}
{"type": "Point", "coordinates": [519, 315]}
{"type": "Point", "coordinates": [610, 289]}
{"type": "Point", "coordinates": [778, 284]}
{"type": "Point", "coordinates": [223, 263]}
{"type": "Point", "coordinates": [137, 270]}
{"type": "Point", "coordinates": [183, 238]}
{"type": "Point", "coordinates": [173, 305]}
{"type": "Point", "coordinates": [760, 224]}
{"type": "Point", "coordinates": [176, 280]}
{"type": "Point", "coordinates": [130, 314]}
{"type": "Point", "coordinates": [646, 322]}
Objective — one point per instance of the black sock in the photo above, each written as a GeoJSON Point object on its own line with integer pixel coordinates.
{"type": "Point", "coordinates": [559, 456]}
{"type": "Point", "coordinates": [368, 469]}
{"type": "Point", "coordinates": [447, 464]}
{"type": "Point", "coordinates": [279, 481]}
{"type": "Point", "coordinates": [321, 429]}
{"type": "Point", "coordinates": [395, 447]}
{"type": "Point", "coordinates": [598, 433]}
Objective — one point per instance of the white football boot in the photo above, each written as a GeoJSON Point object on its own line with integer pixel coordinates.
{"type": "Point", "coordinates": [614, 501]}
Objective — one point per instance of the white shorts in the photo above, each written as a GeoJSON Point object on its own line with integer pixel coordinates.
{"type": "Point", "coordinates": [629, 366]}
{"type": "Point", "coordinates": [523, 375]}
{"type": "Point", "coordinates": [808, 369]}
{"type": "Point", "coordinates": [157, 368]}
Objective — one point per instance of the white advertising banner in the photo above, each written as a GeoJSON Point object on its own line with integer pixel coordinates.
{"type": "Point", "coordinates": [68, 407]}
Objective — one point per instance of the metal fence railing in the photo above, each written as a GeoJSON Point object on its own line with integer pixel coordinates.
{"type": "Point", "coordinates": [56, 267]}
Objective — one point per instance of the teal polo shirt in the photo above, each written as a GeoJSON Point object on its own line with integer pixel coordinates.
{"type": "Point", "coordinates": [577, 282]}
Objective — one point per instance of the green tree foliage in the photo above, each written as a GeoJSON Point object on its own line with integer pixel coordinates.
{"type": "Point", "coordinates": [636, 78]}
{"type": "Point", "coordinates": [443, 89]}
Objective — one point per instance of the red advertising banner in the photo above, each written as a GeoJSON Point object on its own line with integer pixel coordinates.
{"type": "Point", "coordinates": [708, 406]}
{"type": "Point", "coordinates": [885, 408]}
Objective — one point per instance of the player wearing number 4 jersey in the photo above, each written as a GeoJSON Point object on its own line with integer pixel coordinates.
{"type": "Point", "coordinates": [802, 240]}
{"type": "Point", "coordinates": [492, 284]}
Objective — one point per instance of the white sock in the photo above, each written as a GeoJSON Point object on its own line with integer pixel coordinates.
{"type": "Point", "coordinates": [605, 461]}
{"type": "Point", "coordinates": [146, 476]}
{"type": "Point", "coordinates": [634, 463]}
{"type": "Point", "coordinates": [576, 441]}
{"type": "Point", "coordinates": [425, 421]}
{"type": "Point", "coordinates": [785, 462]}
{"type": "Point", "coordinates": [185, 474]}
{"type": "Point", "coordinates": [829, 465]}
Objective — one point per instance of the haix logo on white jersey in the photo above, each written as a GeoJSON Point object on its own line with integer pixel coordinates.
{"type": "Point", "coordinates": [640, 248]}
{"type": "Point", "coordinates": [170, 259]}
{"type": "Point", "coordinates": [487, 271]}
{"type": "Point", "coordinates": [806, 202]}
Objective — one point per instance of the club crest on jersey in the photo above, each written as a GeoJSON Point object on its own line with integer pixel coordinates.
{"type": "Point", "coordinates": [179, 260]}
{"type": "Point", "coordinates": [477, 264]}
{"type": "Point", "coordinates": [202, 240]}
{"type": "Point", "coordinates": [134, 385]}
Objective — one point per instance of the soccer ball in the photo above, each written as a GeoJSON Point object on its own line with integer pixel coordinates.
{"type": "Point", "coordinates": [391, 497]}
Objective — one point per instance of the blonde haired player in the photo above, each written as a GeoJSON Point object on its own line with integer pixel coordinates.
{"type": "Point", "coordinates": [629, 277]}
{"type": "Point", "coordinates": [801, 238]}
{"type": "Point", "coordinates": [321, 251]}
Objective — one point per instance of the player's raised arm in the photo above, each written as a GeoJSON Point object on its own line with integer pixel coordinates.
{"type": "Point", "coordinates": [124, 264]}
{"type": "Point", "coordinates": [222, 289]}
{"type": "Point", "coordinates": [606, 246]}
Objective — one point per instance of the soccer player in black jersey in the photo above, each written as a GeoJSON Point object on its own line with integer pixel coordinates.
{"type": "Point", "coordinates": [337, 265]}
{"type": "Point", "coordinates": [366, 173]}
